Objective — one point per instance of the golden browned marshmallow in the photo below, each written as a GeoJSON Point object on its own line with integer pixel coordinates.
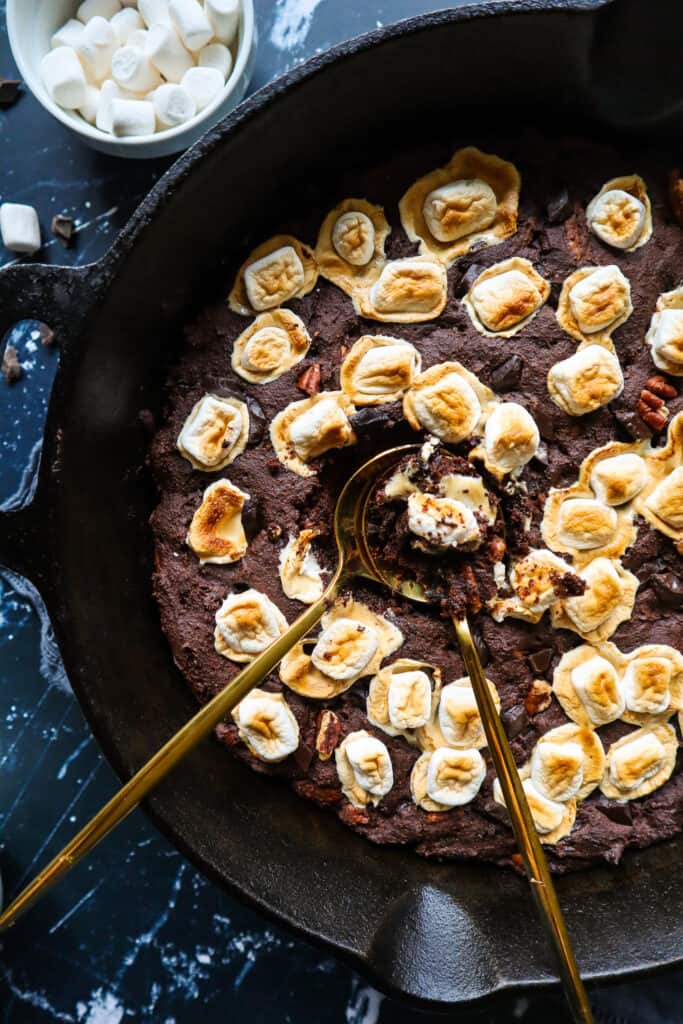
{"type": "Point", "coordinates": [535, 580]}
{"type": "Point", "coordinates": [594, 301]}
{"type": "Point", "coordinates": [307, 429]}
{"type": "Point", "coordinates": [505, 297]}
{"type": "Point", "coordinates": [620, 214]}
{"type": "Point", "coordinates": [567, 762]}
{"type": "Point", "coordinates": [582, 383]}
{"type": "Point", "coordinates": [280, 269]}
{"type": "Point", "coordinates": [553, 820]}
{"type": "Point", "coordinates": [511, 439]}
{"type": "Point", "coordinates": [618, 479]}
{"type": "Point", "coordinates": [456, 721]}
{"type": "Point", "coordinates": [216, 533]}
{"type": "Point", "coordinates": [402, 696]}
{"type": "Point", "coordinates": [447, 401]}
{"type": "Point", "coordinates": [409, 290]}
{"type": "Point", "coordinates": [646, 685]}
{"type": "Point", "coordinates": [270, 346]}
{"type": "Point", "coordinates": [299, 673]}
{"type": "Point", "coordinates": [665, 335]}
{"type": "Point", "coordinates": [215, 432]}
{"type": "Point", "coordinates": [639, 763]}
{"type": "Point", "coordinates": [379, 369]}
{"type": "Point", "coordinates": [454, 777]}
{"type": "Point", "coordinates": [344, 649]}
{"type": "Point", "coordinates": [350, 247]}
{"type": "Point", "coordinates": [266, 724]}
{"type": "Point", "coordinates": [585, 524]}
{"type": "Point", "coordinates": [606, 602]}
{"type": "Point", "coordinates": [587, 684]}
{"type": "Point", "coordinates": [246, 624]}
{"type": "Point", "coordinates": [442, 522]}
{"type": "Point", "coordinates": [473, 199]}
{"type": "Point", "coordinates": [665, 503]}
{"type": "Point", "coordinates": [364, 768]}
{"type": "Point", "coordinates": [300, 572]}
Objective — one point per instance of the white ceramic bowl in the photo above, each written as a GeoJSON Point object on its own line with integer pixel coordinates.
{"type": "Point", "coordinates": [31, 24]}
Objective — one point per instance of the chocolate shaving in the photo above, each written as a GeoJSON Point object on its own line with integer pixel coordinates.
{"type": "Point", "coordinates": [11, 367]}
{"type": "Point", "coordinates": [63, 228]}
{"type": "Point", "coordinates": [10, 90]}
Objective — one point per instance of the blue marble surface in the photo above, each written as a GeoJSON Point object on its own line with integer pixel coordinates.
{"type": "Point", "coordinates": [135, 933]}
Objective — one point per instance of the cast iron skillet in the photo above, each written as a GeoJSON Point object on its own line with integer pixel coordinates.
{"type": "Point", "coordinates": [438, 934]}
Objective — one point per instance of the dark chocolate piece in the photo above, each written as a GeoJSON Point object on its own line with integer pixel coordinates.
{"type": "Point", "coordinates": [559, 207]}
{"type": "Point", "coordinates": [507, 375]}
{"type": "Point", "coordinates": [10, 90]}
{"type": "Point", "coordinates": [64, 229]}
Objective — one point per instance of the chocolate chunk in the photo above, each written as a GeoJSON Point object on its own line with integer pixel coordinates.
{"type": "Point", "coordinates": [11, 367]}
{"type": "Point", "coordinates": [669, 589]}
{"type": "Point", "coordinates": [620, 814]}
{"type": "Point", "coordinates": [252, 518]}
{"type": "Point", "coordinates": [540, 660]}
{"type": "Point", "coordinates": [63, 229]}
{"type": "Point", "coordinates": [515, 721]}
{"type": "Point", "coordinates": [369, 420]}
{"type": "Point", "coordinates": [507, 375]}
{"type": "Point", "coordinates": [631, 423]}
{"type": "Point", "coordinates": [47, 336]}
{"type": "Point", "coordinates": [466, 279]}
{"type": "Point", "coordinates": [559, 208]}
{"type": "Point", "coordinates": [258, 422]}
{"type": "Point", "coordinates": [10, 90]}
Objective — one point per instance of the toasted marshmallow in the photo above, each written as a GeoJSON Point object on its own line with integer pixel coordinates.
{"type": "Point", "coordinates": [557, 770]}
{"type": "Point", "coordinates": [600, 299]}
{"type": "Point", "coordinates": [534, 580]}
{"type": "Point", "coordinates": [618, 479]}
{"type": "Point", "coordinates": [607, 600]}
{"type": "Point", "coordinates": [473, 199]}
{"type": "Point", "coordinates": [597, 686]}
{"type": "Point", "coordinates": [401, 696]}
{"type": "Point", "coordinates": [585, 523]}
{"type": "Point", "coordinates": [553, 820]}
{"type": "Point", "coordinates": [132, 69]}
{"type": "Point", "coordinates": [266, 724]}
{"type": "Point", "coordinates": [442, 522]}
{"type": "Point", "coordinates": [666, 501]}
{"type": "Point", "coordinates": [353, 237]}
{"type": "Point", "coordinates": [280, 269]}
{"type": "Point", "coordinates": [216, 533]}
{"type": "Point", "coordinates": [246, 624]}
{"type": "Point", "coordinates": [505, 296]}
{"type": "Point", "coordinates": [300, 572]}
{"type": "Point", "coordinates": [409, 290]}
{"type": "Point", "coordinates": [19, 228]}
{"type": "Point", "coordinates": [646, 685]}
{"type": "Point", "coordinates": [639, 763]}
{"type": "Point", "coordinates": [215, 432]}
{"type": "Point", "coordinates": [447, 401]}
{"type": "Point", "coordinates": [511, 438]}
{"type": "Point", "coordinates": [63, 77]}
{"type": "Point", "coordinates": [379, 369]}
{"type": "Point", "coordinates": [469, 491]}
{"type": "Point", "coordinates": [459, 208]}
{"type": "Point", "coordinates": [270, 346]}
{"type": "Point", "coordinates": [586, 381]}
{"type": "Point", "coordinates": [459, 718]}
{"type": "Point", "coordinates": [620, 213]}
{"type": "Point", "coordinates": [454, 777]}
{"type": "Point", "coordinates": [665, 335]}
{"type": "Point", "coordinates": [364, 768]}
{"type": "Point", "coordinates": [344, 649]}
{"type": "Point", "coordinates": [307, 429]}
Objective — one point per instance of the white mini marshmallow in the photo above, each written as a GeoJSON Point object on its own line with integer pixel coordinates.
{"type": "Point", "coordinates": [217, 56]}
{"type": "Point", "coordinates": [173, 105]}
{"type": "Point", "coordinates": [64, 78]}
{"type": "Point", "coordinates": [109, 91]}
{"type": "Point", "coordinates": [154, 12]}
{"type": "Point", "coordinates": [96, 47]}
{"type": "Point", "coordinates": [139, 38]}
{"type": "Point", "coordinates": [167, 53]}
{"type": "Point", "coordinates": [125, 22]}
{"type": "Point", "coordinates": [68, 34]}
{"type": "Point", "coordinates": [224, 16]}
{"type": "Point", "coordinates": [90, 9]}
{"type": "Point", "coordinates": [19, 228]}
{"type": "Point", "coordinates": [129, 3]}
{"type": "Point", "coordinates": [132, 69]}
{"type": "Point", "coordinates": [191, 23]}
{"type": "Point", "coordinates": [88, 110]}
{"type": "Point", "coordinates": [132, 117]}
{"type": "Point", "coordinates": [203, 84]}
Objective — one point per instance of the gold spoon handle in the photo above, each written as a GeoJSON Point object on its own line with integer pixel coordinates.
{"type": "Point", "coordinates": [524, 829]}
{"type": "Point", "coordinates": [165, 759]}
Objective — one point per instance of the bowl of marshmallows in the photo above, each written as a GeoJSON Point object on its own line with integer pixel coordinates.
{"type": "Point", "coordinates": [135, 78]}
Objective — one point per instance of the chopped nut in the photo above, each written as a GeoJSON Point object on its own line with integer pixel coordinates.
{"type": "Point", "coordinates": [496, 549]}
{"type": "Point", "coordinates": [650, 400]}
{"type": "Point", "coordinates": [327, 737]}
{"type": "Point", "coordinates": [676, 195]}
{"type": "Point", "coordinates": [516, 859]}
{"type": "Point", "coordinates": [11, 367]}
{"type": "Point", "coordinates": [63, 229]}
{"type": "Point", "coordinates": [654, 418]}
{"type": "Point", "coordinates": [659, 386]}
{"type": "Point", "coordinates": [309, 381]}
{"type": "Point", "coordinates": [538, 697]}
{"type": "Point", "coordinates": [274, 533]}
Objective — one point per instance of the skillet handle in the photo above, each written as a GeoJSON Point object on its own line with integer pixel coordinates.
{"type": "Point", "coordinates": [60, 297]}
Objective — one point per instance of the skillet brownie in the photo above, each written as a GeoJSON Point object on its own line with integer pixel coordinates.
{"type": "Point", "coordinates": [518, 311]}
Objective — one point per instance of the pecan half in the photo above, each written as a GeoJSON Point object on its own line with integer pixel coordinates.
{"type": "Point", "coordinates": [654, 416]}
{"type": "Point", "coordinates": [658, 385]}
{"type": "Point", "coordinates": [676, 195]}
{"type": "Point", "coordinates": [538, 697]}
{"type": "Point", "coordinates": [309, 380]}
{"type": "Point", "coordinates": [327, 737]}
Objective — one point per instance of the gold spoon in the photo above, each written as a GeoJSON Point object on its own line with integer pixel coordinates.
{"type": "Point", "coordinates": [355, 559]}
